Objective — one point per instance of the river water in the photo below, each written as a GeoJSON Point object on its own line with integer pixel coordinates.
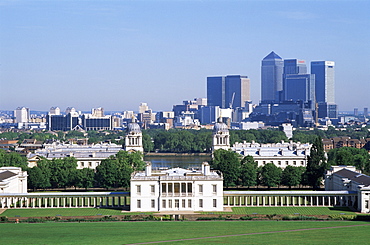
{"type": "Point", "coordinates": [163, 162]}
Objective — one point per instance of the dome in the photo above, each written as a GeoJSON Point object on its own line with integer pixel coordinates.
{"type": "Point", "coordinates": [220, 127]}
{"type": "Point", "coordinates": [133, 128]}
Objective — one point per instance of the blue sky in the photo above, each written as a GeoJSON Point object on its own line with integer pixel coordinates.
{"type": "Point", "coordinates": [116, 54]}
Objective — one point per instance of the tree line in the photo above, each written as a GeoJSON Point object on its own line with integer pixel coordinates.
{"type": "Point", "coordinates": [243, 171]}
{"type": "Point", "coordinates": [113, 172]}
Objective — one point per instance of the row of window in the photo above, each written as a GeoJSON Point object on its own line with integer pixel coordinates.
{"type": "Point", "coordinates": [169, 203]}
{"type": "Point", "coordinates": [286, 162]}
{"type": "Point", "coordinates": [176, 188]}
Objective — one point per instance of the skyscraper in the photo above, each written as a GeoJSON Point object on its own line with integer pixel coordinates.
{"type": "Point", "coordinates": [300, 87]}
{"type": "Point", "coordinates": [216, 91]}
{"type": "Point", "coordinates": [271, 78]}
{"type": "Point", "coordinates": [324, 80]}
{"type": "Point", "coordinates": [297, 84]}
{"type": "Point", "coordinates": [231, 91]}
{"type": "Point", "coordinates": [295, 66]}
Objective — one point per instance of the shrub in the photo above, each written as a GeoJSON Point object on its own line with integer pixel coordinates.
{"type": "Point", "coordinates": [301, 217]}
{"type": "Point", "coordinates": [4, 219]}
{"type": "Point", "coordinates": [342, 217]}
{"type": "Point", "coordinates": [246, 218]}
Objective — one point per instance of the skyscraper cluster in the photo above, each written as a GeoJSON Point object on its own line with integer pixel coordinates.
{"type": "Point", "coordinates": [287, 81]}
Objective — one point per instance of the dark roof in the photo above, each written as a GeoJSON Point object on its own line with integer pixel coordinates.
{"type": "Point", "coordinates": [362, 179]}
{"type": "Point", "coordinates": [6, 175]}
{"type": "Point", "coordinates": [272, 55]}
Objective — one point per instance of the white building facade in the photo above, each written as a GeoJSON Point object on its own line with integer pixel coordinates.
{"type": "Point", "coordinates": [281, 154]}
{"type": "Point", "coordinates": [348, 178]}
{"type": "Point", "coordinates": [176, 189]}
{"type": "Point", "coordinates": [13, 180]}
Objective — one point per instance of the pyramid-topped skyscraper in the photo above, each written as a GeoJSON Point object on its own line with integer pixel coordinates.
{"type": "Point", "coordinates": [271, 78]}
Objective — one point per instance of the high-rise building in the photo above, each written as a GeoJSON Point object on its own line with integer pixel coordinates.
{"type": "Point", "coordinates": [22, 115]}
{"type": "Point", "coordinates": [231, 91]}
{"type": "Point", "coordinates": [324, 80]}
{"type": "Point", "coordinates": [271, 78]}
{"type": "Point", "coordinates": [366, 112]}
{"type": "Point", "coordinates": [295, 66]}
{"type": "Point", "coordinates": [300, 87]}
{"type": "Point", "coordinates": [216, 91]}
{"type": "Point", "coordinates": [292, 68]}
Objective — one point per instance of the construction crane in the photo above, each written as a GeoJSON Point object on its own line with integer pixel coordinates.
{"type": "Point", "coordinates": [232, 101]}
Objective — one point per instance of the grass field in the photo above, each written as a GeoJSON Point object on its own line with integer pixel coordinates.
{"type": "Point", "coordinates": [52, 212]}
{"type": "Point", "coordinates": [288, 210]}
{"type": "Point", "coordinates": [237, 232]}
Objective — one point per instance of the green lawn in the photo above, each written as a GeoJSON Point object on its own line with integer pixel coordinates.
{"type": "Point", "coordinates": [46, 212]}
{"type": "Point", "coordinates": [52, 212]}
{"type": "Point", "coordinates": [288, 210]}
{"type": "Point", "coordinates": [134, 232]}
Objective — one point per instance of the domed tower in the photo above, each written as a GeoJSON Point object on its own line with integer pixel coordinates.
{"type": "Point", "coordinates": [134, 138]}
{"type": "Point", "coordinates": [221, 137]}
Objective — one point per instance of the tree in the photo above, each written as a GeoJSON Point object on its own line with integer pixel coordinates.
{"type": "Point", "coordinates": [12, 159]}
{"type": "Point", "coordinates": [292, 176]}
{"type": "Point", "coordinates": [248, 172]}
{"type": "Point", "coordinates": [350, 156]}
{"type": "Point", "coordinates": [228, 163]}
{"type": "Point", "coordinates": [63, 172]}
{"type": "Point", "coordinates": [270, 175]}
{"type": "Point", "coordinates": [115, 171]}
{"type": "Point", "coordinates": [316, 164]}
{"type": "Point", "coordinates": [39, 176]}
{"type": "Point", "coordinates": [85, 178]}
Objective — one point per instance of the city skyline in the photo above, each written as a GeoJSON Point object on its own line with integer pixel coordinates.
{"type": "Point", "coordinates": [116, 54]}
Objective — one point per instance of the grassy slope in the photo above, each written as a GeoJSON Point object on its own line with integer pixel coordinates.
{"type": "Point", "coordinates": [52, 212]}
{"type": "Point", "coordinates": [134, 232]}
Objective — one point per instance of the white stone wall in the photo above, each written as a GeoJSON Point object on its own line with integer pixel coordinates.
{"type": "Point", "coordinates": [14, 184]}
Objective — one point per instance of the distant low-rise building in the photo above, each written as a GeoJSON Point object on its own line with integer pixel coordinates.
{"type": "Point", "coordinates": [281, 154]}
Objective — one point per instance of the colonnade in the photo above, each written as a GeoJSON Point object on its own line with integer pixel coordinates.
{"type": "Point", "coordinates": [53, 200]}
{"type": "Point", "coordinates": [265, 199]}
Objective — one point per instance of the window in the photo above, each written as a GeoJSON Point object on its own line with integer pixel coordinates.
{"type": "Point", "coordinates": [215, 203]}
{"type": "Point", "coordinates": [190, 188]}
{"type": "Point", "coordinates": [138, 203]}
{"type": "Point", "coordinates": [90, 164]}
{"type": "Point", "coordinates": [170, 187]}
{"type": "Point", "coordinates": [189, 203]}
{"type": "Point", "coordinates": [286, 162]}
{"type": "Point", "coordinates": [177, 187]}
{"type": "Point", "coordinates": [302, 163]}
{"type": "Point", "coordinates": [82, 164]}
{"type": "Point", "coordinates": [214, 188]}
{"type": "Point", "coordinates": [152, 190]}
{"type": "Point", "coordinates": [279, 162]}
{"type": "Point", "coordinates": [264, 162]}
{"type": "Point", "coordinates": [138, 189]}
{"type": "Point", "coordinates": [200, 188]}
{"type": "Point", "coordinates": [201, 203]}
{"type": "Point", "coordinates": [152, 203]}
{"type": "Point", "coordinates": [294, 163]}
{"type": "Point", "coordinates": [163, 203]}
{"type": "Point", "coordinates": [164, 189]}
{"type": "Point", "coordinates": [170, 203]}
{"type": "Point", "coordinates": [183, 188]}
{"type": "Point", "coordinates": [177, 203]}
{"type": "Point", "coordinates": [183, 203]}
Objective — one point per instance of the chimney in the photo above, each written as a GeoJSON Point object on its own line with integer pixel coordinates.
{"type": "Point", "coordinates": [148, 169]}
{"type": "Point", "coordinates": [206, 168]}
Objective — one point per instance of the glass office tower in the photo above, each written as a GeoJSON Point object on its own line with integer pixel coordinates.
{"type": "Point", "coordinates": [271, 78]}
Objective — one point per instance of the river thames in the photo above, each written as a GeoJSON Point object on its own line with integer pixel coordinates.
{"type": "Point", "coordinates": [182, 161]}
